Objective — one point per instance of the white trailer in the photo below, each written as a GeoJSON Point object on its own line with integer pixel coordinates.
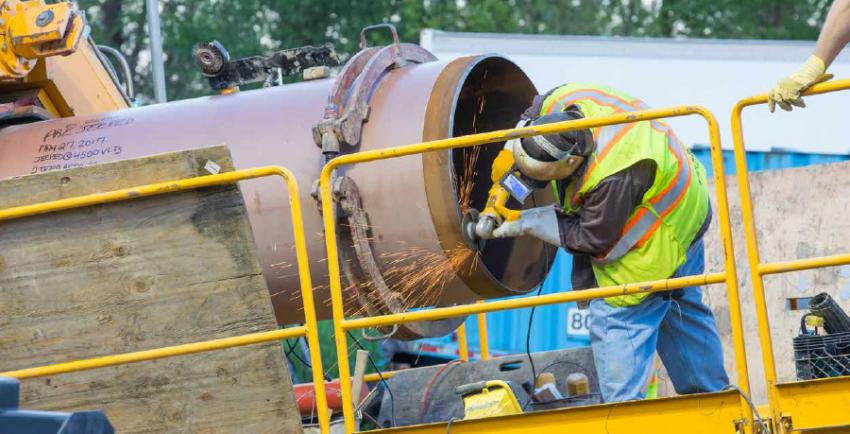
{"type": "Point", "coordinates": [665, 72]}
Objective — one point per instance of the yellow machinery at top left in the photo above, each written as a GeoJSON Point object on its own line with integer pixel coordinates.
{"type": "Point", "coordinates": [49, 67]}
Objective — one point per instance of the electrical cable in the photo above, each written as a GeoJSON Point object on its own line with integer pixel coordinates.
{"type": "Point", "coordinates": [528, 336]}
{"type": "Point", "coordinates": [290, 351]}
{"type": "Point", "coordinates": [761, 421]}
{"type": "Point", "coordinates": [531, 316]}
{"type": "Point", "coordinates": [423, 408]}
{"type": "Point", "coordinates": [449, 425]}
{"type": "Point", "coordinates": [591, 375]}
{"type": "Point", "coordinates": [380, 375]}
{"type": "Point", "coordinates": [372, 419]}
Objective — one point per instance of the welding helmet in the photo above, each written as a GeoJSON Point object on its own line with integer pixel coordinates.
{"type": "Point", "coordinates": [553, 156]}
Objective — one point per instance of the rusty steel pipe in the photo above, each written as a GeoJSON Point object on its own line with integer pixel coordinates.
{"type": "Point", "coordinates": [412, 202]}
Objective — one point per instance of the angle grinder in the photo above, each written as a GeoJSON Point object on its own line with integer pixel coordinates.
{"type": "Point", "coordinates": [477, 227]}
{"type": "Point", "coordinates": [467, 230]}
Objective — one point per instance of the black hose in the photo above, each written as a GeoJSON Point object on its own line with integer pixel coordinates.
{"type": "Point", "coordinates": [834, 318]}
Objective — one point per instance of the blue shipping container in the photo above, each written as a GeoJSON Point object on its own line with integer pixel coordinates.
{"type": "Point", "coordinates": [766, 160]}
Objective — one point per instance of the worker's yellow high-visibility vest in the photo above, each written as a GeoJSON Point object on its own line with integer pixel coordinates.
{"type": "Point", "coordinates": [659, 231]}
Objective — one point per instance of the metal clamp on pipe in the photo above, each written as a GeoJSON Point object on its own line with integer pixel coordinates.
{"type": "Point", "coordinates": [370, 288]}
{"type": "Point", "coordinates": [348, 103]}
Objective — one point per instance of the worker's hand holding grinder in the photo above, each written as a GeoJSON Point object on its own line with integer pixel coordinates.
{"type": "Point", "coordinates": [834, 36]}
{"type": "Point", "coordinates": [541, 223]}
{"type": "Point", "coordinates": [539, 160]}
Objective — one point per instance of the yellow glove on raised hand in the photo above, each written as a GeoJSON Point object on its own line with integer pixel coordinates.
{"type": "Point", "coordinates": [787, 92]}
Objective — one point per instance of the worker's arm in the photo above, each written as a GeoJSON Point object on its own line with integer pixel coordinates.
{"type": "Point", "coordinates": [605, 211]}
{"type": "Point", "coordinates": [834, 36]}
{"type": "Point", "coordinates": [598, 225]}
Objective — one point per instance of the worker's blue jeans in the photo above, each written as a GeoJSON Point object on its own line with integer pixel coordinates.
{"type": "Point", "coordinates": [679, 326]}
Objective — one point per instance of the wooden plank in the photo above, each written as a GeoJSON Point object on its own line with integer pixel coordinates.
{"type": "Point", "coordinates": [137, 275]}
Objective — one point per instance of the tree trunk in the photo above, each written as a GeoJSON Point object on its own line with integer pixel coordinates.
{"type": "Point", "coordinates": [666, 16]}
{"type": "Point", "coordinates": [112, 10]}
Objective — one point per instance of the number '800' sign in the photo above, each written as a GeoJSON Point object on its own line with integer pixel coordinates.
{"type": "Point", "coordinates": [578, 322]}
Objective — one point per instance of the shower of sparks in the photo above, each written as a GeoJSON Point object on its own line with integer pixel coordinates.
{"type": "Point", "coordinates": [466, 180]}
{"type": "Point", "coordinates": [416, 276]}
{"type": "Point", "coordinates": [420, 276]}
{"type": "Point", "coordinates": [469, 170]}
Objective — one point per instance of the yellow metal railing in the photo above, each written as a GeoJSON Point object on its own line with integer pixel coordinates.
{"type": "Point", "coordinates": [759, 269]}
{"type": "Point", "coordinates": [309, 329]}
{"type": "Point", "coordinates": [728, 275]}
{"type": "Point", "coordinates": [483, 345]}
{"type": "Point", "coordinates": [462, 344]}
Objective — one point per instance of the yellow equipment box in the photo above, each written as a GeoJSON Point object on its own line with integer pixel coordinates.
{"type": "Point", "coordinates": [488, 398]}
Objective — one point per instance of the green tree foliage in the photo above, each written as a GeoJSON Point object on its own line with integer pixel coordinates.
{"type": "Point", "coordinates": [248, 27]}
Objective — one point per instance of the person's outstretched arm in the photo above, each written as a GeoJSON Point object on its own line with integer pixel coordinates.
{"type": "Point", "coordinates": [834, 36]}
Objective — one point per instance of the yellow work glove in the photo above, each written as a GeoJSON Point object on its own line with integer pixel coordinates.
{"type": "Point", "coordinates": [787, 91]}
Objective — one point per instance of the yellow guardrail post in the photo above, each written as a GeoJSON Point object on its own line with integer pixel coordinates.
{"type": "Point", "coordinates": [483, 345]}
{"type": "Point", "coordinates": [757, 268]}
{"type": "Point", "coordinates": [728, 276]}
{"type": "Point", "coordinates": [462, 344]}
{"type": "Point", "coordinates": [310, 329]}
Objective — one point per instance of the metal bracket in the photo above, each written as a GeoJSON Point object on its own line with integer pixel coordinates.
{"type": "Point", "coordinates": [390, 27]}
{"type": "Point", "coordinates": [22, 111]}
{"type": "Point", "coordinates": [348, 103]}
{"type": "Point", "coordinates": [381, 337]}
{"type": "Point", "coordinates": [758, 429]}
{"type": "Point", "coordinates": [740, 426]}
{"type": "Point", "coordinates": [786, 424]}
{"type": "Point", "coordinates": [370, 289]}
{"type": "Point", "coordinates": [214, 62]}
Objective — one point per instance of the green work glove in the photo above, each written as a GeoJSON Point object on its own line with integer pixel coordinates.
{"type": "Point", "coordinates": [541, 223]}
{"type": "Point", "coordinates": [787, 92]}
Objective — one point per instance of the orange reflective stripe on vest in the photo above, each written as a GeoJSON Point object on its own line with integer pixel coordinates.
{"type": "Point", "coordinates": [643, 223]}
